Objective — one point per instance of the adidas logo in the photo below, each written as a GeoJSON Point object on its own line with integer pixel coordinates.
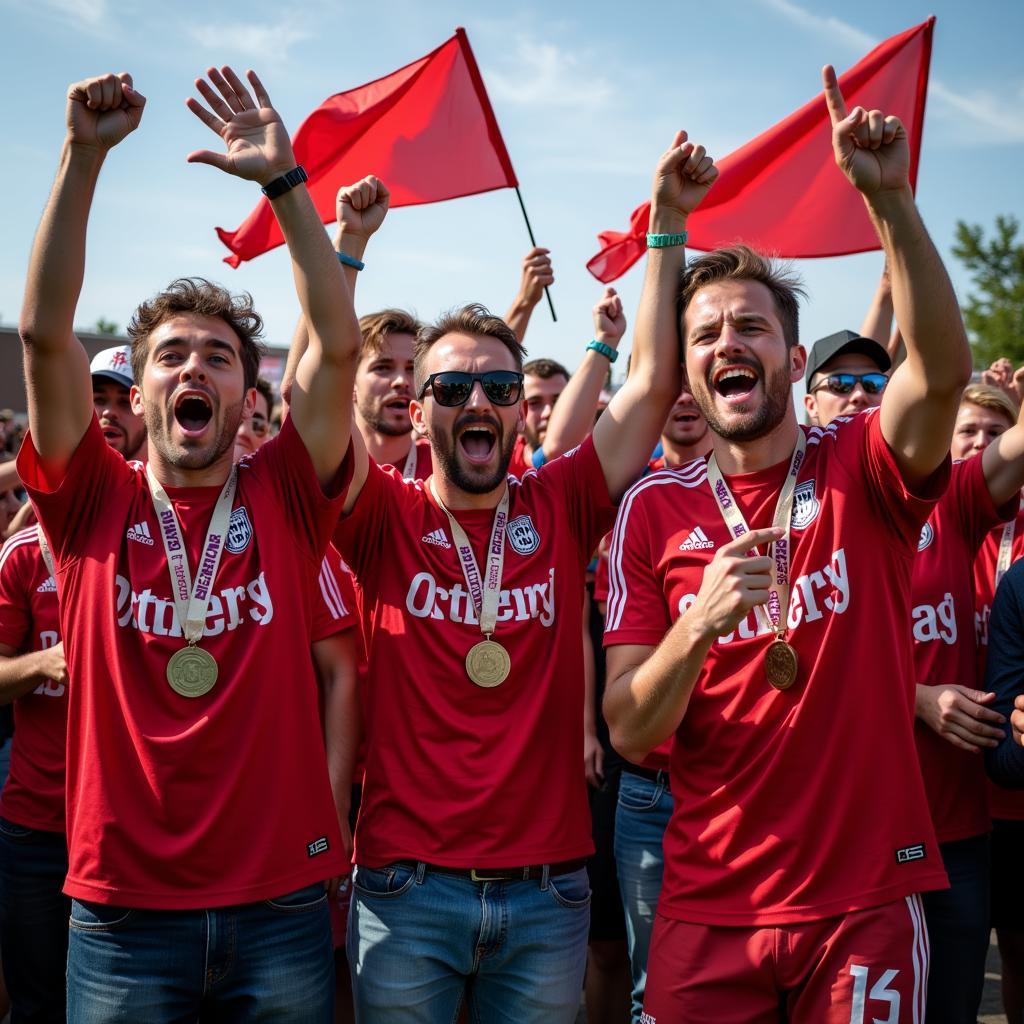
{"type": "Point", "coordinates": [140, 533]}
{"type": "Point", "coordinates": [49, 586]}
{"type": "Point", "coordinates": [436, 537]}
{"type": "Point", "coordinates": [697, 539]}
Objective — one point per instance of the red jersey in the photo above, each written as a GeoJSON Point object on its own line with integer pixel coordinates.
{"type": "Point", "coordinates": [334, 606]}
{"type": "Point", "coordinates": [172, 802]}
{"type": "Point", "coordinates": [1007, 804]}
{"type": "Point", "coordinates": [798, 805]}
{"type": "Point", "coordinates": [458, 775]}
{"type": "Point", "coordinates": [944, 642]}
{"type": "Point", "coordinates": [521, 461]}
{"type": "Point", "coordinates": [34, 793]}
{"type": "Point", "coordinates": [424, 460]}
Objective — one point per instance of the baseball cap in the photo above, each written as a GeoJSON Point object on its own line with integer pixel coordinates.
{"type": "Point", "coordinates": [826, 349]}
{"type": "Point", "coordinates": [114, 364]}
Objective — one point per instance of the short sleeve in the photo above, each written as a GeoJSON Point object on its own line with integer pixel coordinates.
{"type": "Point", "coordinates": [972, 500]}
{"type": "Point", "coordinates": [69, 508]}
{"type": "Point", "coordinates": [359, 535]}
{"type": "Point", "coordinates": [15, 606]}
{"type": "Point", "coordinates": [637, 610]}
{"type": "Point", "coordinates": [334, 605]}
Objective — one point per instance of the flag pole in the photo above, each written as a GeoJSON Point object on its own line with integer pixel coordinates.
{"type": "Point", "coordinates": [533, 242]}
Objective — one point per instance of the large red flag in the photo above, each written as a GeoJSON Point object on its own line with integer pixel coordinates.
{"type": "Point", "coordinates": [426, 130]}
{"type": "Point", "coordinates": [782, 192]}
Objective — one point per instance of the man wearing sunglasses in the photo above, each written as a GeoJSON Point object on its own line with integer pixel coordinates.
{"type": "Point", "coordinates": [470, 882]}
{"type": "Point", "coordinates": [846, 373]}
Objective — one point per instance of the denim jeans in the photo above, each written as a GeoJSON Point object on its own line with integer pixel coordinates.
{"type": "Point", "coordinates": [641, 818]}
{"type": "Point", "coordinates": [420, 943]}
{"type": "Point", "coordinates": [270, 961]}
{"type": "Point", "coordinates": [33, 921]}
{"type": "Point", "coordinates": [958, 932]}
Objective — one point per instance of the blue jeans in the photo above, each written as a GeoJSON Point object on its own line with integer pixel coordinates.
{"type": "Point", "coordinates": [641, 818]}
{"type": "Point", "coordinates": [422, 942]}
{"type": "Point", "coordinates": [270, 961]}
{"type": "Point", "coordinates": [33, 921]}
{"type": "Point", "coordinates": [958, 932]}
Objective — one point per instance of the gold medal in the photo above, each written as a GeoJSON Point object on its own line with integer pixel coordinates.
{"type": "Point", "coordinates": [488, 664]}
{"type": "Point", "coordinates": [780, 664]}
{"type": "Point", "coordinates": [192, 672]}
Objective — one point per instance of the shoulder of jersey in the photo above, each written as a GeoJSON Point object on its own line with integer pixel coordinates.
{"type": "Point", "coordinates": [815, 435]}
{"type": "Point", "coordinates": [689, 474]}
{"type": "Point", "coordinates": [24, 539]}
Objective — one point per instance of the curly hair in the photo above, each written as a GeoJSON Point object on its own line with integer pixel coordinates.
{"type": "Point", "coordinates": [199, 297]}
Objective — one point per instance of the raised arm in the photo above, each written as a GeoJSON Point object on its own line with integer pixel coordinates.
{"type": "Point", "coordinates": [258, 149]}
{"type": "Point", "coordinates": [573, 415]}
{"type": "Point", "coordinates": [877, 323]}
{"type": "Point", "coordinates": [536, 276]}
{"type": "Point", "coordinates": [100, 113]}
{"type": "Point", "coordinates": [629, 428]}
{"type": "Point", "coordinates": [921, 401]}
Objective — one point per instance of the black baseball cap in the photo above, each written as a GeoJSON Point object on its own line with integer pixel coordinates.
{"type": "Point", "coordinates": [824, 350]}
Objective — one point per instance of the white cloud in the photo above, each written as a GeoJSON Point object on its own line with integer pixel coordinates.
{"type": "Point", "coordinates": [543, 74]}
{"type": "Point", "coordinates": [988, 119]}
{"type": "Point", "coordinates": [263, 43]}
{"type": "Point", "coordinates": [89, 12]}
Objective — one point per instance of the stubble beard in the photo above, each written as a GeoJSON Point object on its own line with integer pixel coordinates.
{"type": "Point", "coordinates": [158, 429]}
{"type": "Point", "coordinates": [753, 425]}
{"type": "Point", "coordinates": [446, 457]}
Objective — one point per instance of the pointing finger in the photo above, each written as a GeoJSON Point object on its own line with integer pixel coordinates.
{"type": "Point", "coordinates": [751, 539]}
{"type": "Point", "coordinates": [833, 94]}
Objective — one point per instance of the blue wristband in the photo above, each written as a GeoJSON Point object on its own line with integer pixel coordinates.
{"type": "Point", "coordinates": [607, 351]}
{"type": "Point", "coordinates": [350, 261]}
{"type": "Point", "coordinates": [665, 241]}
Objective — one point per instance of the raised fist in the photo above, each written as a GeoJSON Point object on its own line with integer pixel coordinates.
{"type": "Point", "coordinates": [362, 207]}
{"type": "Point", "coordinates": [683, 176]}
{"type": "Point", "coordinates": [102, 111]}
{"type": "Point", "coordinates": [609, 320]}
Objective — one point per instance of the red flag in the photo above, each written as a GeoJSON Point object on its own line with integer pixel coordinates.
{"type": "Point", "coordinates": [427, 131]}
{"type": "Point", "coordinates": [782, 192]}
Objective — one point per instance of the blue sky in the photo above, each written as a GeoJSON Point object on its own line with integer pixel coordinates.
{"type": "Point", "coordinates": [587, 95]}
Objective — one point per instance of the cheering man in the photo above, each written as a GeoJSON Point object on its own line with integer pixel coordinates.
{"type": "Point", "coordinates": [470, 845]}
{"type": "Point", "coordinates": [196, 862]}
{"type": "Point", "coordinates": [800, 833]}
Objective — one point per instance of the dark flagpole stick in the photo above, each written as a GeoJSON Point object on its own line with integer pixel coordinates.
{"type": "Point", "coordinates": [533, 242]}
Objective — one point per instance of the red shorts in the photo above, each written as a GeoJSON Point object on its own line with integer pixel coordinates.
{"type": "Point", "coordinates": [863, 966]}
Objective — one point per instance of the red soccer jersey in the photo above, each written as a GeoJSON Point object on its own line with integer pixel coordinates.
{"type": "Point", "coordinates": [1007, 804]}
{"type": "Point", "coordinates": [334, 605]}
{"type": "Point", "coordinates": [424, 460]}
{"type": "Point", "coordinates": [34, 793]}
{"type": "Point", "coordinates": [455, 774]}
{"type": "Point", "coordinates": [172, 802]}
{"type": "Point", "coordinates": [944, 642]}
{"type": "Point", "coordinates": [798, 805]}
{"type": "Point", "coordinates": [521, 461]}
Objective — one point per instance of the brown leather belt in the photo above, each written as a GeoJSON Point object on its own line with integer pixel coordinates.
{"type": "Point", "coordinates": [564, 867]}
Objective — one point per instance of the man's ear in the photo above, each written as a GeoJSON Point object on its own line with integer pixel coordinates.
{"type": "Point", "coordinates": [797, 362]}
{"type": "Point", "coordinates": [418, 417]}
{"type": "Point", "coordinates": [811, 405]}
{"type": "Point", "coordinates": [136, 400]}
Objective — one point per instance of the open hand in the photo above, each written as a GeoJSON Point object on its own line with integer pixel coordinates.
{"type": "Point", "coordinates": [102, 111]}
{"type": "Point", "coordinates": [609, 320]}
{"type": "Point", "coordinates": [870, 147]}
{"type": "Point", "coordinates": [959, 715]}
{"type": "Point", "coordinates": [682, 178]}
{"type": "Point", "coordinates": [1002, 375]}
{"type": "Point", "coordinates": [362, 207]}
{"type": "Point", "coordinates": [258, 147]}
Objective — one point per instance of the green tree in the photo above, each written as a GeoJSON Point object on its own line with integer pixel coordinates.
{"type": "Point", "coordinates": [105, 326]}
{"type": "Point", "coordinates": [994, 311]}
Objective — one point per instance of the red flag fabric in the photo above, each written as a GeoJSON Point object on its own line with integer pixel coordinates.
{"type": "Point", "coordinates": [782, 192]}
{"type": "Point", "coordinates": [427, 131]}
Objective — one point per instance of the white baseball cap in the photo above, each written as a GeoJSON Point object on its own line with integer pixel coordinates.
{"type": "Point", "coordinates": [114, 364]}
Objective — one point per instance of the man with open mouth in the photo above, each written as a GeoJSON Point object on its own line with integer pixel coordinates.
{"type": "Point", "coordinates": [197, 864]}
{"type": "Point", "coordinates": [753, 595]}
{"type": "Point", "coordinates": [470, 883]}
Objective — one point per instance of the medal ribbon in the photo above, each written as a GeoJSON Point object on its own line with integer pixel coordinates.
{"type": "Point", "coordinates": [484, 592]}
{"type": "Point", "coordinates": [1003, 561]}
{"type": "Point", "coordinates": [190, 601]}
{"type": "Point", "coordinates": [777, 607]}
{"type": "Point", "coordinates": [409, 469]}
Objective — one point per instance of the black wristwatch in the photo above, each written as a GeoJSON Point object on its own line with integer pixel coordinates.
{"type": "Point", "coordinates": [278, 187]}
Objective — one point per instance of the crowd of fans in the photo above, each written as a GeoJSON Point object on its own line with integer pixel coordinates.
{"type": "Point", "coordinates": [720, 756]}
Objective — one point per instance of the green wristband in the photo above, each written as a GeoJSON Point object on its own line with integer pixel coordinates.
{"type": "Point", "coordinates": [665, 241]}
{"type": "Point", "coordinates": [607, 351]}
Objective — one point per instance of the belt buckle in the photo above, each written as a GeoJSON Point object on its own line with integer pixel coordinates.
{"type": "Point", "coordinates": [482, 876]}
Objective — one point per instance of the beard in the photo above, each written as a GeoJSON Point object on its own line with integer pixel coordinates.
{"type": "Point", "coordinates": [751, 425]}
{"type": "Point", "coordinates": [375, 417]}
{"type": "Point", "coordinates": [472, 480]}
{"type": "Point", "coordinates": [534, 438]}
{"type": "Point", "coordinates": [158, 428]}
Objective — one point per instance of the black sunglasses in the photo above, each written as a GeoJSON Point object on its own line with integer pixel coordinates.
{"type": "Point", "coordinates": [453, 387]}
{"type": "Point", "coordinates": [844, 383]}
